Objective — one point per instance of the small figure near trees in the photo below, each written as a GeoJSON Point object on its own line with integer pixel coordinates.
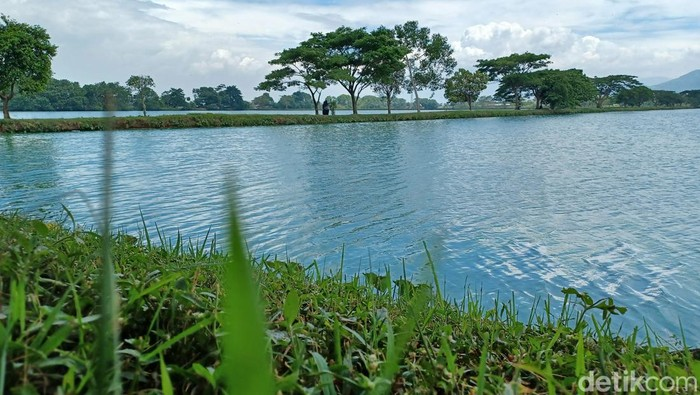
{"type": "Point", "coordinates": [326, 107]}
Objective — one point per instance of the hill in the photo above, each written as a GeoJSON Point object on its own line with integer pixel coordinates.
{"type": "Point", "coordinates": [690, 81]}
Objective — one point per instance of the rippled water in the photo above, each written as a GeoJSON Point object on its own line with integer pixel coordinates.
{"type": "Point", "coordinates": [608, 203]}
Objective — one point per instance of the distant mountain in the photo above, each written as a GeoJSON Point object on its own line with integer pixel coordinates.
{"type": "Point", "coordinates": [687, 82]}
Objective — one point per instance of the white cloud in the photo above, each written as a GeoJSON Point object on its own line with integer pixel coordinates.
{"type": "Point", "coordinates": [596, 56]}
{"type": "Point", "coordinates": [187, 44]}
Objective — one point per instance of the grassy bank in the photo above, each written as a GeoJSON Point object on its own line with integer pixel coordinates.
{"type": "Point", "coordinates": [326, 333]}
{"type": "Point", "coordinates": [206, 120]}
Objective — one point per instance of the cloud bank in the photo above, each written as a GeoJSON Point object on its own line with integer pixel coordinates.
{"type": "Point", "coordinates": [189, 44]}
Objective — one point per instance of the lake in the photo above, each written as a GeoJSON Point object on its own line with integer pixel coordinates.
{"type": "Point", "coordinates": [608, 203]}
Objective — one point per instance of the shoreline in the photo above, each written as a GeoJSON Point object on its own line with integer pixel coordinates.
{"type": "Point", "coordinates": [213, 120]}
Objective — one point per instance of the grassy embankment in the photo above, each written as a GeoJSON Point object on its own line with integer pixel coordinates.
{"type": "Point", "coordinates": [208, 120]}
{"type": "Point", "coordinates": [333, 333]}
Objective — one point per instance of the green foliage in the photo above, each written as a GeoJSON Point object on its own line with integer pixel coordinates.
{"type": "Point", "coordinates": [668, 98]}
{"type": "Point", "coordinates": [220, 98]}
{"type": "Point", "coordinates": [175, 98]}
{"type": "Point", "coordinates": [142, 87]}
{"type": "Point", "coordinates": [564, 88]}
{"type": "Point", "coordinates": [635, 96]}
{"type": "Point", "coordinates": [512, 72]}
{"type": "Point", "coordinates": [465, 86]}
{"type": "Point", "coordinates": [324, 333]}
{"type": "Point", "coordinates": [263, 102]}
{"type": "Point", "coordinates": [692, 97]}
{"type": "Point", "coordinates": [611, 85]}
{"type": "Point", "coordinates": [25, 59]}
{"type": "Point", "coordinates": [428, 60]}
{"type": "Point", "coordinates": [301, 66]}
{"type": "Point", "coordinates": [356, 59]}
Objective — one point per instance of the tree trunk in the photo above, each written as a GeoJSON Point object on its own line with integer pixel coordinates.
{"type": "Point", "coordinates": [388, 104]}
{"type": "Point", "coordinates": [413, 84]}
{"type": "Point", "coordinates": [354, 103]}
{"type": "Point", "coordinates": [314, 98]}
{"type": "Point", "coordinates": [6, 107]}
{"type": "Point", "coordinates": [143, 105]}
{"type": "Point", "coordinates": [469, 102]}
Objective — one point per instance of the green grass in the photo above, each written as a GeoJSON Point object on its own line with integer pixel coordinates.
{"type": "Point", "coordinates": [181, 304]}
{"type": "Point", "coordinates": [208, 120]}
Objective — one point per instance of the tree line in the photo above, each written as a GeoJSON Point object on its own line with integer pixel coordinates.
{"type": "Point", "coordinates": [388, 61]}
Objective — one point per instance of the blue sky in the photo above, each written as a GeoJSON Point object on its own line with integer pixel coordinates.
{"type": "Point", "coordinates": [187, 44]}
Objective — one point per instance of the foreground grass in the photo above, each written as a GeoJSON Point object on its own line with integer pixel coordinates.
{"type": "Point", "coordinates": [208, 120]}
{"type": "Point", "coordinates": [332, 333]}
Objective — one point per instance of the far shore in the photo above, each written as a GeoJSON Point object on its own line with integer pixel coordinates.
{"type": "Point", "coordinates": [217, 120]}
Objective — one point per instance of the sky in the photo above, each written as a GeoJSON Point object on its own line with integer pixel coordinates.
{"type": "Point", "coordinates": [191, 43]}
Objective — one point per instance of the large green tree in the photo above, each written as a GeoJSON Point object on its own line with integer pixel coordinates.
{"type": "Point", "coordinates": [140, 86]}
{"type": "Point", "coordinates": [465, 86]}
{"type": "Point", "coordinates": [611, 85]}
{"type": "Point", "coordinates": [300, 66]}
{"type": "Point", "coordinates": [25, 60]}
{"type": "Point", "coordinates": [231, 98]}
{"type": "Point", "coordinates": [428, 60]}
{"type": "Point", "coordinates": [356, 59]}
{"type": "Point", "coordinates": [565, 88]}
{"type": "Point", "coordinates": [510, 72]}
{"type": "Point", "coordinates": [174, 98]}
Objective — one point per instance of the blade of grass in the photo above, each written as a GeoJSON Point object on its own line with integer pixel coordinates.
{"type": "Point", "coordinates": [246, 362]}
{"type": "Point", "coordinates": [107, 374]}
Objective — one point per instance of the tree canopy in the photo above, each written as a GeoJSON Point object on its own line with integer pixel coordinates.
{"type": "Point", "coordinates": [142, 87]}
{"type": "Point", "coordinates": [300, 66]}
{"type": "Point", "coordinates": [611, 85]}
{"type": "Point", "coordinates": [26, 53]}
{"type": "Point", "coordinates": [429, 58]}
{"type": "Point", "coordinates": [512, 71]}
{"type": "Point", "coordinates": [465, 86]}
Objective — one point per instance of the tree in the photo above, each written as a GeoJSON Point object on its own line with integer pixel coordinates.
{"type": "Point", "coordinates": [263, 102]}
{"type": "Point", "coordinates": [207, 98]}
{"type": "Point", "coordinates": [565, 88]}
{"type": "Point", "coordinates": [668, 98]}
{"type": "Point", "coordinates": [428, 60]}
{"type": "Point", "coordinates": [465, 86]}
{"type": "Point", "coordinates": [635, 96]}
{"type": "Point", "coordinates": [174, 98]}
{"type": "Point", "coordinates": [96, 94]}
{"type": "Point", "coordinates": [356, 59]}
{"type": "Point", "coordinates": [230, 98]}
{"type": "Point", "coordinates": [301, 66]}
{"type": "Point", "coordinates": [692, 97]}
{"type": "Point", "coordinates": [25, 60]}
{"type": "Point", "coordinates": [140, 86]}
{"type": "Point", "coordinates": [389, 86]}
{"type": "Point", "coordinates": [612, 85]}
{"type": "Point", "coordinates": [510, 71]}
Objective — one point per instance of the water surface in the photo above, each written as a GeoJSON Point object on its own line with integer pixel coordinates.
{"type": "Point", "coordinates": [608, 203]}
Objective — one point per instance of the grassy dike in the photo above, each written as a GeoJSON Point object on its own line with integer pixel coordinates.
{"type": "Point", "coordinates": [209, 120]}
{"type": "Point", "coordinates": [330, 333]}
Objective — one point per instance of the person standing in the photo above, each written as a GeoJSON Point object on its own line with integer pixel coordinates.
{"type": "Point", "coordinates": [326, 107]}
